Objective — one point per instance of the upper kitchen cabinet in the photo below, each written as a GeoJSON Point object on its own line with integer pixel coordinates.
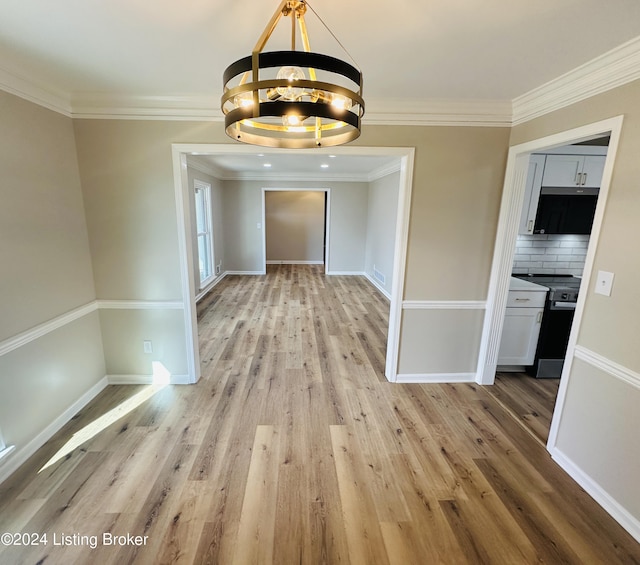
{"type": "Point", "coordinates": [562, 190]}
{"type": "Point", "coordinates": [532, 194]}
{"type": "Point", "coordinates": [573, 170]}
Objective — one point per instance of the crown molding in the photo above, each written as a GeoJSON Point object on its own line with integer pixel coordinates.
{"type": "Point", "coordinates": [95, 105]}
{"type": "Point", "coordinates": [615, 68]}
{"type": "Point", "coordinates": [41, 95]}
{"type": "Point", "coordinates": [438, 112]}
{"type": "Point", "coordinates": [610, 70]}
{"type": "Point", "coordinates": [207, 168]}
{"type": "Point", "coordinates": [494, 113]}
{"type": "Point", "coordinates": [384, 171]}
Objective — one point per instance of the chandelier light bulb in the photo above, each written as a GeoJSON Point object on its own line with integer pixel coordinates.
{"type": "Point", "coordinates": [342, 102]}
{"type": "Point", "coordinates": [291, 75]}
{"type": "Point", "coordinates": [291, 120]}
{"type": "Point", "coordinates": [244, 100]}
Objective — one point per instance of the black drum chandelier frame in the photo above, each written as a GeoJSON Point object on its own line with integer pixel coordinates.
{"type": "Point", "coordinates": [291, 110]}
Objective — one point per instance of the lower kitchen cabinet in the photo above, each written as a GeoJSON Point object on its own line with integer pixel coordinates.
{"type": "Point", "coordinates": [519, 336]}
{"type": "Point", "coordinates": [521, 329]}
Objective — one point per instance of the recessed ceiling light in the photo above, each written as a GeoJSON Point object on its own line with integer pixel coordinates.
{"type": "Point", "coordinates": [324, 166]}
{"type": "Point", "coordinates": [260, 154]}
{"type": "Point", "coordinates": [332, 156]}
{"type": "Point", "coordinates": [266, 165]}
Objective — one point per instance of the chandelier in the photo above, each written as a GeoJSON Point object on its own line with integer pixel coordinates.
{"type": "Point", "coordinates": [293, 99]}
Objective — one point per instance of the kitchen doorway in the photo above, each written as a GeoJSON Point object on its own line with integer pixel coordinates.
{"type": "Point", "coordinates": [504, 253]}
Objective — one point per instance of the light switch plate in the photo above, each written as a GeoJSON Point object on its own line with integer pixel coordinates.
{"type": "Point", "coordinates": [604, 282]}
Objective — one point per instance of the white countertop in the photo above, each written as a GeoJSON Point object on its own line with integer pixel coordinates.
{"type": "Point", "coordinates": [519, 284]}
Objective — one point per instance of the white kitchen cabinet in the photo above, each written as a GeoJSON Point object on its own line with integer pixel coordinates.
{"type": "Point", "coordinates": [521, 329]}
{"type": "Point", "coordinates": [532, 194]}
{"type": "Point", "coordinates": [573, 170]}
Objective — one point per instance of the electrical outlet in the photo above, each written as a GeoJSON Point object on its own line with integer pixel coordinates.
{"type": "Point", "coordinates": [148, 347]}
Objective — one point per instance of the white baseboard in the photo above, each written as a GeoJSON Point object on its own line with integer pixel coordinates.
{"type": "Point", "coordinates": [283, 262]}
{"type": "Point", "coordinates": [345, 273]}
{"type": "Point", "coordinates": [19, 456]}
{"type": "Point", "coordinates": [436, 378]}
{"type": "Point", "coordinates": [510, 369]}
{"type": "Point", "coordinates": [145, 380]}
{"type": "Point", "coordinates": [601, 496]}
{"type": "Point", "coordinates": [375, 283]}
{"type": "Point", "coordinates": [245, 273]}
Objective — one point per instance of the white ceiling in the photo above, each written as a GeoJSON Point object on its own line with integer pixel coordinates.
{"type": "Point", "coordinates": [460, 58]}
{"type": "Point", "coordinates": [311, 166]}
{"type": "Point", "coordinates": [409, 52]}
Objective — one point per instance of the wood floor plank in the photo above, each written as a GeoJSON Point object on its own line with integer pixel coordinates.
{"type": "Point", "coordinates": [294, 448]}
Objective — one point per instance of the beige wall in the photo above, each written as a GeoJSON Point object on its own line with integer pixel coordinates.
{"type": "Point", "coordinates": [597, 431]}
{"type": "Point", "coordinates": [243, 213]}
{"type": "Point", "coordinates": [44, 251]}
{"type": "Point", "coordinates": [440, 342]}
{"type": "Point", "coordinates": [46, 273]}
{"type": "Point", "coordinates": [127, 180]}
{"type": "Point", "coordinates": [457, 187]}
{"type": "Point", "coordinates": [42, 379]}
{"type": "Point", "coordinates": [294, 225]}
{"type": "Point", "coordinates": [126, 173]}
{"type": "Point", "coordinates": [382, 211]}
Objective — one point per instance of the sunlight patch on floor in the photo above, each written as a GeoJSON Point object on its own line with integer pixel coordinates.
{"type": "Point", "coordinates": [161, 378]}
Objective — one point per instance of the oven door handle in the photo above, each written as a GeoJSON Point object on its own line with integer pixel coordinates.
{"type": "Point", "coordinates": [559, 305]}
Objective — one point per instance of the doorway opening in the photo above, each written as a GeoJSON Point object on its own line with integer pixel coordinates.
{"type": "Point", "coordinates": [504, 253]}
{"type": "Point", "coordinates": [296, 226]}
{"type": "Point", "coordinates": [402, 157]}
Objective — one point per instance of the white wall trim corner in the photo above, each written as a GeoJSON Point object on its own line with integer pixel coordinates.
{"type": "Point", "coordinates": [601, 496]}
{"type": "Point", "coordinates": [606, 365]}
{"type": "Point", "coordinates": [375, 283]}
{"type": "Point", "coordinates": [435, 378]}
{"type": "Point", "coordinates": [22, 454]}
{"type": "Point", "coordinates": [407, 156]}
{"type": "Point", "coordinates": [41, 330]}
{"type": "Point", "coordinates": [184, 221]}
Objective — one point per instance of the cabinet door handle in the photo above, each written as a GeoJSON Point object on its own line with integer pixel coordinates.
{"type": "Point", "coordinates": [522, 299]}
{"type": "Point", "coordinates": [577, 179]}
{"type": "Point", "coordinates": [584, 179]}
{"type": "Point", "coordinates": [530, 226]}
{"type": "Point", "coordinates": [539, 318]}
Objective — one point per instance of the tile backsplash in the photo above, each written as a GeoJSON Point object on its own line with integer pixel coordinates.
{"type": "Point", "coordinates": [550, 254]}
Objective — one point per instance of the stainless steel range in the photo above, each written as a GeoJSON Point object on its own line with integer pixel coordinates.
{"type": "Point", "coordinates": [557, 319]}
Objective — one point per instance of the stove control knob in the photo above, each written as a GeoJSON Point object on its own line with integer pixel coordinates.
{"type": "Point", "coordinates": [565, 296]}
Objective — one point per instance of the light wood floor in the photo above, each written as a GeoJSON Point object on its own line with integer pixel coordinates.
{"type": "Point", "coordinates": [293, 449]}
{"type": "Point", "coordinates": [531, 401]}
